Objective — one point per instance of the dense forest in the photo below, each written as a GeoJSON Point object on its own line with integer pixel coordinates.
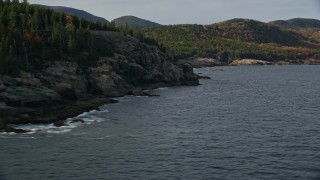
{"type": "Point", "coordinates": [237, 38]}
{"type": "Point", "coordinates": [31, 35]}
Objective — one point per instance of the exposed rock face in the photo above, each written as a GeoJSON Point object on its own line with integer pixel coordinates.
{"type": "Point", "coordinates": [249, 62]}
{"type": "Point", "coordinates": [103, 79]}
{"type": "Point", "coordinates": [43, 96]}
{"type": "Point", "coordinates": [24, 96]}
{"type": "Point", "coordinates": [59, 123]}
{"type": "Point", "coordinates": [65, 78]}
{"type": "Point", "coordinates": [142, 64]}
{"type": "Point", "coordinates": [202, 62]}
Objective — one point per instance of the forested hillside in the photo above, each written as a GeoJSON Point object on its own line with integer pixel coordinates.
{"type": "Point", "coordinates": [31, 35]}
{"type": "Point", "coordinates": [237, 38]}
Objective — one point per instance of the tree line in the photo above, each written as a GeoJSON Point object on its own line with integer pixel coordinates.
{"type": "Point", "coordinates": [31, 35]}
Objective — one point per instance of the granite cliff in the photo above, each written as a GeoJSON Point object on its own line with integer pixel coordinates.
{"type": "Point", "coordinates": [64, 89]}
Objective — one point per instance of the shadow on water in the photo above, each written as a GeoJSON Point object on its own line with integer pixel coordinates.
{"type": "Point", "coordinates": [2, 176]}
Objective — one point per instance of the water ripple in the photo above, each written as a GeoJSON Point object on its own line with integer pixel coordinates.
{"type": "Point", "coordinates": [245, 123]}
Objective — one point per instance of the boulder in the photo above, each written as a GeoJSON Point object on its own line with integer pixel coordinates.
{"type": "Point", "coordinates": [113, 101]}
{"type": "Point", "coordinates": [59, 123]}
{"type": "Point", "coordinates": [189, 77]}
{"type": "Point", "coordinates": [14, 130]}
{"type": "Point", "coordinates": [77, 121]}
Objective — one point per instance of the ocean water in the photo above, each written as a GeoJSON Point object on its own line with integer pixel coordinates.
{"type": "Point", "coordinates": [260, 122]}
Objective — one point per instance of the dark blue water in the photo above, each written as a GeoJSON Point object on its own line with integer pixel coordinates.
{"type": "Point", "coordinates": [244, 123]}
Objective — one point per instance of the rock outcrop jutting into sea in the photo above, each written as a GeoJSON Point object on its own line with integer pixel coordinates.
{"type": "Point", "coordinates": [64, 89]}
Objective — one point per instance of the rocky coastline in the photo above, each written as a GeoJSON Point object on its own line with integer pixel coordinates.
{"type": "Point", "coordinates": [202, 62]}
{"type": "Point", "coordinates": [252, 62]}
{"type": "Point", "coordinates": [212, 62]}
{"type": "Point", "coordinates": [64, 89]}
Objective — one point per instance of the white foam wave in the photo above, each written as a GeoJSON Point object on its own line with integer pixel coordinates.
{"type": "Point", "coordinates": [59, 130]}
{"type": "Point", "coordinates": [13, 136]}
{"type": "Point", "coordinates": [162, 88]}
{"type": "Point", "coordinates": [85, 118]}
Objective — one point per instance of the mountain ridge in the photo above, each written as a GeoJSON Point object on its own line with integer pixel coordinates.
{"type": "Point", "coordinates": [297, 23]}
{"type": "Point", "coordinates": [134, 22]}
{"type": "Point", "coordinates": [82, 14]}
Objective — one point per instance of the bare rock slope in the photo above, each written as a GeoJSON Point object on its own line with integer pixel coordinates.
{"type": "Point", "coordinates": [64, 89]}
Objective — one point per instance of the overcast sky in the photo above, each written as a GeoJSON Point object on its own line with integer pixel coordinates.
{"type": "Point", "coordinates": [194, 11]}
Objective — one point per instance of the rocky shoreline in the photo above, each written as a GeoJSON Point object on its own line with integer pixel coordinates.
{"type": "Point", "coordinates": [253, 62]}
{"type": "Point", "coordinates": [202, 62]}
{"type": "Point", "coordinates": [64, 89]}
{"type": "Point", "coordinates": [211, 62]}
{"type": "Point", "coordinates": [240, 62]}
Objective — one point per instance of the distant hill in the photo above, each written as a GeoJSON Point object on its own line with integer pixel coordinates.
{"type": "Point", "coordinates": [134, 22]}
{"type": "Point", "coordinates": [236, 38]}
{"type": "Point", "coordinates": [297, 23]}
{"type": "Point", "coordinates": [254, 31]}
{"type": "Point", "coordinates": [309, 28]}
{"type": "Point", "coordinates": [76, 12]}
